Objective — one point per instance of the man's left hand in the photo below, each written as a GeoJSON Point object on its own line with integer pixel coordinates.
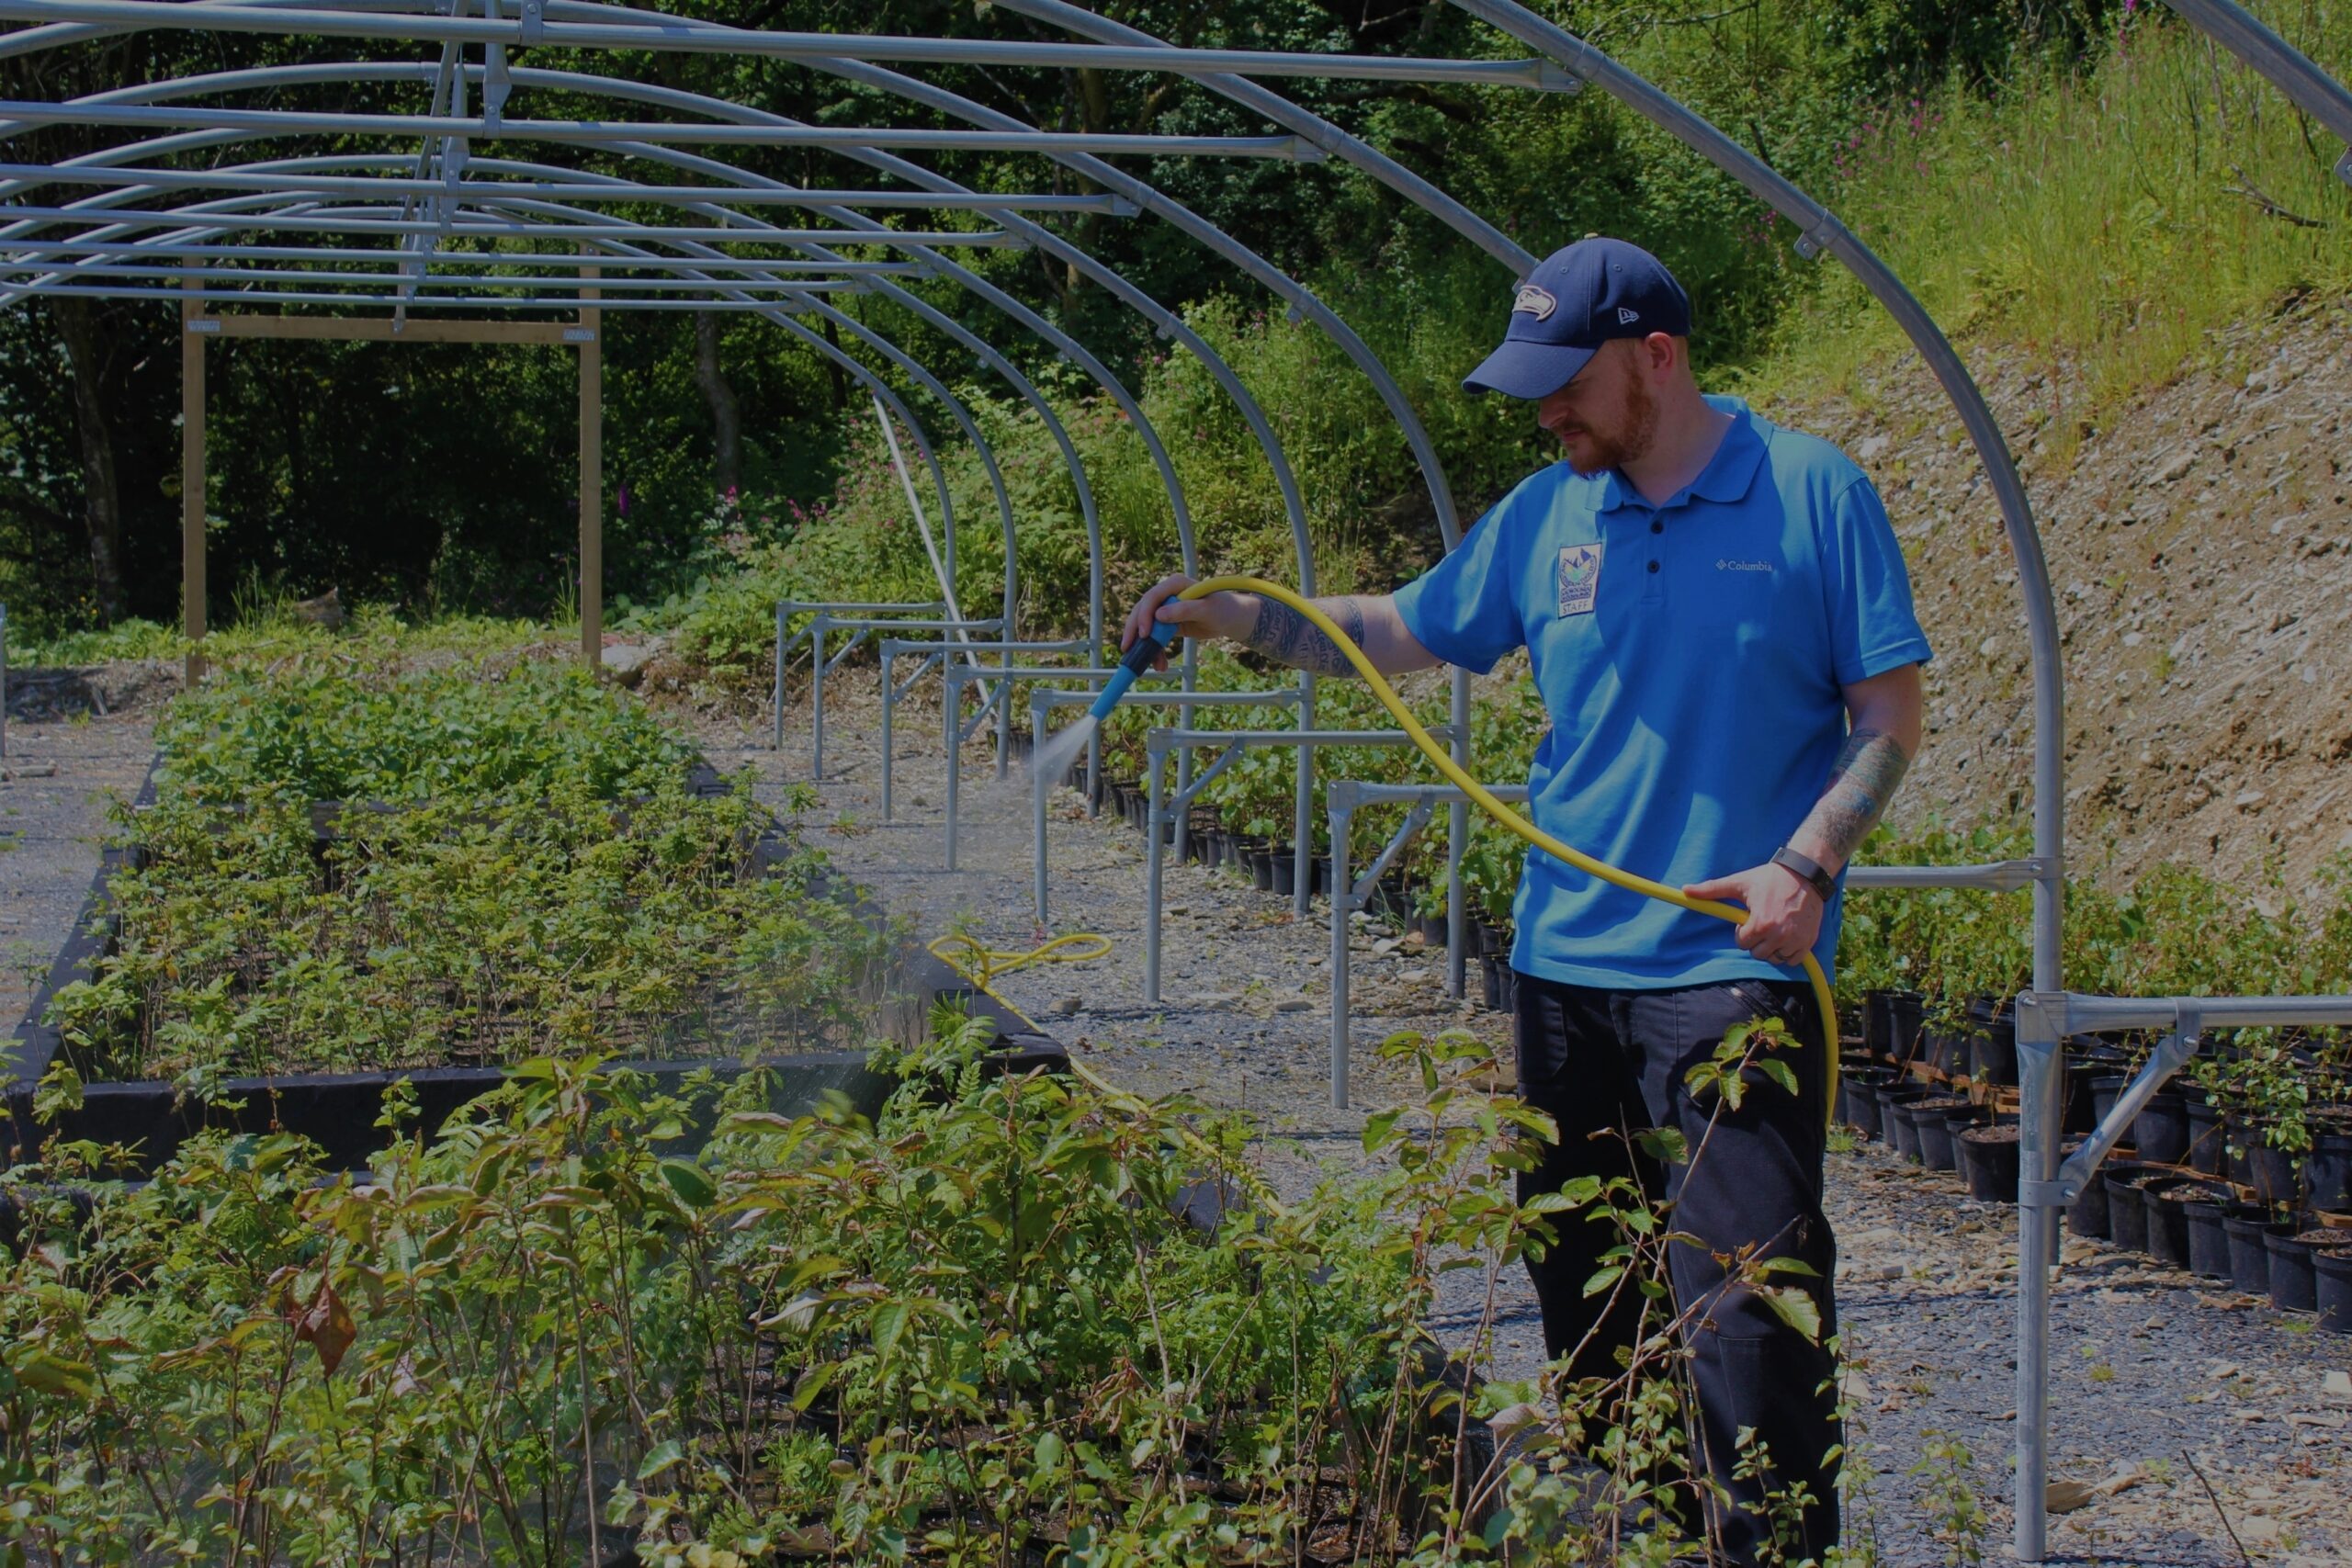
{"type": "Point", "coordinates": [1783, 911]}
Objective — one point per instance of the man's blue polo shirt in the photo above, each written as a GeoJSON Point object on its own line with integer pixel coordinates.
{"type": "Point", "coordinates": [1691, 657]}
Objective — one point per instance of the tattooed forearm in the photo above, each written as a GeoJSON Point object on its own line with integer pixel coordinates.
{"type": "Point", "coordinates": [1869, 770]}
{"type": "Point", "coordinates": [1288, 637]}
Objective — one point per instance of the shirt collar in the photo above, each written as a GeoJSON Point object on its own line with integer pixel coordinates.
{"type": "Point", "coordinates": [1726, 476]}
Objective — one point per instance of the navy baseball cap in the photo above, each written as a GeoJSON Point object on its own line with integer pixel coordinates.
{"type": "Point", "coordinates": [1573, 301]}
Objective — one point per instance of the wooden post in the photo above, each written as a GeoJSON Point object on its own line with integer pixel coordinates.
{"type": "Point", "coordinates": [592, 479]}
{"type": "Point", "coordinates": [192, 588]}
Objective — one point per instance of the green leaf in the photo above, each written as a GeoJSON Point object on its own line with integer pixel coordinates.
{"type": "Point", "coordinates": [1793, 1307]}
{"type": "Point", "coordinates": [662, 1456]}
{"type": "Point", "coordinates": [1376, 1128]}
{"type": "Point", "coordinates": [812, 1383]}
{"type": "Point", "coordinates": [41, 1370]}
{"type": "Point", "coordinates": [890, 1321]}
{"type": "Point", "coordinates": [1603, 1280]}
{"type": "Point", "coordinates": [693, 1187]}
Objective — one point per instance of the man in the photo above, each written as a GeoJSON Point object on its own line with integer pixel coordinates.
{"type": "Point", "coordinates": [1720, 628]}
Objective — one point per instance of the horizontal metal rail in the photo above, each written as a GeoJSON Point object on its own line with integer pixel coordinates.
{"type": "Point", "coordinates": [421, 281]}
{"type": "Point", "coordinates": [388, 220]}
{"type": "Point", "coordinates": [395, 302]}
{"type": "Point", "coordinates": [295, 122]}
{"type": "Point", "coordinates": [2052, 1015]}
{"type": "Point", "coordinates": [674, 35]}
{"type": "Point", "coordinates": [364, 185]}
{"type": "Point", "coordinates": [860, 606]}
{"type": "Point", "coordinates": [1994, 876]}
{"type": "Point", "coordinates": [612, 265]}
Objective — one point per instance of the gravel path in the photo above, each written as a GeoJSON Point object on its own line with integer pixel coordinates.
{"type": "Point", "coordinates": [55, 785]}
{"type": "Point", "coordinates": [2152, 1368]}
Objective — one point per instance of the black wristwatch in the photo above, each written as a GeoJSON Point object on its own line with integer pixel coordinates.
{"type": "Point", "coordinates": [1807, 868]}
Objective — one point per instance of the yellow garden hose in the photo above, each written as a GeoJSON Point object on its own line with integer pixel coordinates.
{"type": "Point", "coordinates": [980, 964]}
{"type": "Point", "coordinates": [1503, 814]}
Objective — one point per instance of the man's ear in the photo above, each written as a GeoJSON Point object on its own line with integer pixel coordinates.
{"type": "Point", "coordinates": [1659, 354]}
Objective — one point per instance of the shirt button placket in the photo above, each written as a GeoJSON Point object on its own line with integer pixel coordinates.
{"type": "Point", "coordinates": [1654, 574]}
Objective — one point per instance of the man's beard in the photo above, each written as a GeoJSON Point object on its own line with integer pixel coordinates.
{"type": "Point", "coordinates": [1631, 441]}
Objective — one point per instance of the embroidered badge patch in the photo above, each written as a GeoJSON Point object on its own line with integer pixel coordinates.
{"type": "Point", "coordinates": [1579, 577]}
{"type": "Point", "coordinates": [1533, 301]}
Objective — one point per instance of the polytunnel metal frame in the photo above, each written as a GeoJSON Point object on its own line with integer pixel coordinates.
{"type": "Point", "coordinates": [452, 209]}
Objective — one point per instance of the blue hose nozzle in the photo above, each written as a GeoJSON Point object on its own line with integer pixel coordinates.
{"type": "Point", "coordinates": [1140, 658]}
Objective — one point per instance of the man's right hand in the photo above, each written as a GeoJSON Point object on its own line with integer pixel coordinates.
{"type": "Point", "coordinates": [1230, 615]}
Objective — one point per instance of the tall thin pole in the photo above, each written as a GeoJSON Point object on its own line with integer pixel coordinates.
{"type": "Point", "coordinates": [591, 478]}
{"type": "Point", "coordinates": [192, 478]}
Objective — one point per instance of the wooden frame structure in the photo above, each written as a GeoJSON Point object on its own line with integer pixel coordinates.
{"type": "Point", "coordinates": [587, 334]}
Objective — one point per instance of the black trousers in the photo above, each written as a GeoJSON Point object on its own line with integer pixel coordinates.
{"type": "Point", "coordinates": [1607, 1063]}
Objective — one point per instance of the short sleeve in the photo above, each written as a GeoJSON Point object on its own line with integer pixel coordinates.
{"type": "Point", "coordinates": [1873, 626]}
{"type": "Point", "coordinates": [1463, 609]}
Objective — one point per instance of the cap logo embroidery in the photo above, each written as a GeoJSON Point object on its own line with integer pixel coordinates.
{"type": "Point", "coordinates": [1533, 301]}
{"type": "Point", "coordinates": [1623, 315]}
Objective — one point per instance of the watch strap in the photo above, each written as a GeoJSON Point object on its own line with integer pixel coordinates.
{"type": "Point", "coordinates": [1807, 868]}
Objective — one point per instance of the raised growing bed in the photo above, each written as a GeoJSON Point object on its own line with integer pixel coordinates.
{"type": "Point", "coordinates": [109, 1102]}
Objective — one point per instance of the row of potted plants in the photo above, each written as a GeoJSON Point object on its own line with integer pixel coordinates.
{"type": "Point", "coordinates": [2211, 1180]}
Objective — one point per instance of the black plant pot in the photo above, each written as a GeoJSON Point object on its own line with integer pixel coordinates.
{"type": "Point", "coordinates": [1932, 1130]}
{"type": "Point", "coordinates": [1861, 1100]}
{"type": "Point", "coordinates": [1988, 1158]}
{"type": "Point", "coordinates": [2248, 1226]}
{"type": "Point", "coordinates": [2088, 1214]}
{"type": "Point", "coordinates": [2208, 1154]}
{"type": "Point", "coordinates": [1491, 979]}
{"type": "Point", "coordinates": [1906, 1011]}
{"type": "Point", "coordinates": [1948, 1051]}
{"type": "Point", "coordinates": [2332, 1289]}
{"type": "Point", "coordinates": [2329, 1170]}
{"type": "Point", "coordinates": [1877, 1029]}
{"type": "Point", "coordinates": [2166, 1198]}
{"type": "Point", "coordinates": [1284, 879]}
{"type": "Point", "coordinates": [1890, 1097]}
{"type": "Point", "coordinates": [2079, 1110]}
{"type": "Point", "coordinates": [2106, 1088]}
{"type": "Point", "coordinates": [2241, 1139]}
{"type": "Point", "coordinates": [1261, 869]}
{"type": "Point", "coordinates": [2161, 1130]}
{"type": "Point", "coordinates": [2292, 1287]}
{"type": "Point", "coordinates": [2209, 1240]}
{"type": "Point", "coordinates": [1432, 929]}
{"type": "Point", "coordinates": [1901, 1132]}
{"type": "Point", "coordinates": [1993, 1051]}
{"type": "Point", "coordinates": [2127, 1212]}
{"type": "Point", "coordinates": [2273, 1175]}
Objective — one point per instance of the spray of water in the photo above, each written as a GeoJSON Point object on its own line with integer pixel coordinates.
{"type": "Point", "coordinates": [1059, 752]}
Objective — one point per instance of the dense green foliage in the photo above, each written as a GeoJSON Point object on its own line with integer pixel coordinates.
{"type": "Point", "coordinates": [978, 1331]}
{"type": "Point", "coordinates": [324, 731]}
{"type": "Point", "coordinates": [507, 863]}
